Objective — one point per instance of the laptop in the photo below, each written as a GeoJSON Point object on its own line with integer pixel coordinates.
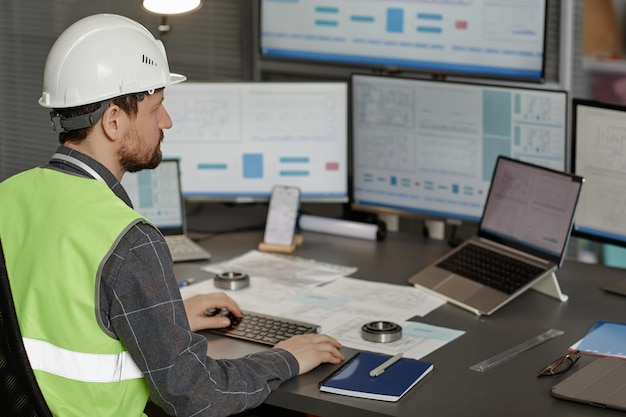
{"type": "Point", "coordinates": [526, 221]}
{"type": "Point", "coordinates": [156, 194]}
{"type": "Point", "coordinates": [601, 383]}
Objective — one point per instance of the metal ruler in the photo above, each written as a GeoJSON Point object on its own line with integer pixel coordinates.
{"type": "Point", "coordinates": [516, 350]}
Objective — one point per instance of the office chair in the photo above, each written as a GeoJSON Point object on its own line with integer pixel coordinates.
{"type": "Point", "coordinates": [20, 395]}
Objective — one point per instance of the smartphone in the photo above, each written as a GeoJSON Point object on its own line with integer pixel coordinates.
{"type": "Point", "coordinates": [282, 215]}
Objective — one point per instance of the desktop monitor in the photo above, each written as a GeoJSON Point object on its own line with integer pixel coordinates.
{"type": "Point", "coordinates": [155, 194]}
{"type": "Point", "coordinates": [236, 140]}
{"type": "Point", "coordinates": [428, 148]}
{"type": "Point", "coordinates": [489, 39]}
{"type": "Point", "coordinates": [598, 143]}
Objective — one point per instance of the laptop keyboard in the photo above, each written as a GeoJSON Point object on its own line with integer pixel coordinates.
{"type": "Point", "coordinates": [263, 328]}
{"type": "Point", "coordinates": [183, 248]}
{"type": "Point", "coordinates": [490, 268]}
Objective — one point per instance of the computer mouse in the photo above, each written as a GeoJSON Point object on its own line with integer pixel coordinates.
{"type": "Point", "coordinates": [234, 320]}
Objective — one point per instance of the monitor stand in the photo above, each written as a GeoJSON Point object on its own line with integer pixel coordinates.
{"type": "Point", "coordinates": [454, 240]}
{"type": "Point", "coordinates": [550, 287]}
{"type": "Point", "coordinates": [436, 229]}
{"type": "Point", "coordinates": [391, 220]}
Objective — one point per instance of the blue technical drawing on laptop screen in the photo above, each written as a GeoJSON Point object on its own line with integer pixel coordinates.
{"type": "Point", "coordinates": [531, 205]}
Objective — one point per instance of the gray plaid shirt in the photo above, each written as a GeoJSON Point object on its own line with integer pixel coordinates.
{"type": "Point", "coordinates": [140, 304]}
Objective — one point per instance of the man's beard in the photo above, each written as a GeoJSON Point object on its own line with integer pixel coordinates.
{"type": "Point", "coordinates": [134, 158]}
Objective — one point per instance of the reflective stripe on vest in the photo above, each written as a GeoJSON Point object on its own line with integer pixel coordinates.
{"type": "Point", "coordinates": [87, 367]}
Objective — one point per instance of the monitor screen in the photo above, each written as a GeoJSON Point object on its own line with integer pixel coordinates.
{"type": "Point", "coordinates": [236, 140]}
{"type": "Point", "coordinates": [429, 147]}
{"type": "Point", "coordinates": [492, 39]}
{"type": "Point", "coordinates": [155, 194]}
{"type": "Point", "coordinates": [598, 143]}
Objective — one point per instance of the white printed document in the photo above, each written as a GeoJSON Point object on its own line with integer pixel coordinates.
{"type": "Point", "coordinates": [342, 306]}
{"type": "Point", "coordinates": [286, 269]}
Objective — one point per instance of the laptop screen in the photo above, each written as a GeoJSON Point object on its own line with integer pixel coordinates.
{"type": "Point", "coordinates": [155, 193]}
{"type": "Point", "coordinates": [530, 208]}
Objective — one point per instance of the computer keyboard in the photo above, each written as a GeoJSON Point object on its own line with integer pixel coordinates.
{"type": "Point", "coordinates": [263, 328]}
{"type": "Point", "coordinates": [183, 248]}
{"type": "Point", "coordinates": [490, 268]}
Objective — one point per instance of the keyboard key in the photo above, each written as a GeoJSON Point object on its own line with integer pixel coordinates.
{"type": "Point", "coordinates": [490, 268]}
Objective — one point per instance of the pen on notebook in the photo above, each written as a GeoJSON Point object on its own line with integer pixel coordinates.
{"type": "Point", "coordinates": [186, 282]}
{"type": "Point", "coordinates": [381, 368]}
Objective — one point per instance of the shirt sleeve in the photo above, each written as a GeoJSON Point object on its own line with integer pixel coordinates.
{"type": "Point", "coordinates": [140, 304]}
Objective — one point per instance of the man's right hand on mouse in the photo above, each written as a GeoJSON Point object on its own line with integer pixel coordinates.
{"type": "Point", "coordinates": [198, 305]}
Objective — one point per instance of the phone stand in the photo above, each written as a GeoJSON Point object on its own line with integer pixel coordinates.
{"type": "Point", "coordinates": [271, 247]}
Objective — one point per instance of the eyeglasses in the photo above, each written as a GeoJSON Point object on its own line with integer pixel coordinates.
{"type": "Point", "coordinates": [564, 363]}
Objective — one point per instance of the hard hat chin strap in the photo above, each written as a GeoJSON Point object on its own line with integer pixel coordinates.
{"type": "Point", "coordinates": [66, 124]}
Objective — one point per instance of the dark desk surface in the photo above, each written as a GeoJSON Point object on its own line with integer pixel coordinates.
{"type": "Point", "coordinates": [509, 389]}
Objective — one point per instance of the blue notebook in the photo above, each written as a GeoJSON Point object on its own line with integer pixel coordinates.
{"type": "Point", "coordinates": [605, 339]}
{"type": "Point", "coordinates": [353, 378]}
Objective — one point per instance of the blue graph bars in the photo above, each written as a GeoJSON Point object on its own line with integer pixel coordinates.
{"type": "Point", "coordinates": [326, 11]}
{"type": "Point", "coordinates": [395, 20]}
{"type": "Point", "coordinates": [328, 16]}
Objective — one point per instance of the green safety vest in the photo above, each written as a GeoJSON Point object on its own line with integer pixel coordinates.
{"type": "Point", "coordinates": [57, 231]}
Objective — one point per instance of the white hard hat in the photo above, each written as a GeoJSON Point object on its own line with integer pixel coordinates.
{"type": "Point", "coordinates": [104, 56]}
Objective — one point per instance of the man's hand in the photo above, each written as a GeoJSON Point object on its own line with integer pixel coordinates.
{"type": "Point", "coordinates": [312, 350]}
{"type": "Point", "coordinates": [198, 305]}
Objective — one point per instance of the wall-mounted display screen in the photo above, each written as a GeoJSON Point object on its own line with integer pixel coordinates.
{"type": "Point", "coordinates": [486, 38]}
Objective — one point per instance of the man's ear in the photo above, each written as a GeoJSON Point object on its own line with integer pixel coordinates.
{"type": "Point", "coordinates": [112, 121]}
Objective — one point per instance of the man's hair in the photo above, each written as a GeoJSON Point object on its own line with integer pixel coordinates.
{"type": "Point", "coordinates": [128, 103]}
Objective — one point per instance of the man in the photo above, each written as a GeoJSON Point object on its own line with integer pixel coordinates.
{"type": "Point", "coordinates": [101, 315]}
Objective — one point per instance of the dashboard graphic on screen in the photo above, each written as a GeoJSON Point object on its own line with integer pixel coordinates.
{"type": "Point", "coordinates": [236, 140]}
{"type": "Point", "coordinates": [487, 38]}
{"type": "Point", "coordinates": [425, 147]}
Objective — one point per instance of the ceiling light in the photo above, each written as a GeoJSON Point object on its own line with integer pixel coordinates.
{"type": "Point", "coordinates": [166, 7]}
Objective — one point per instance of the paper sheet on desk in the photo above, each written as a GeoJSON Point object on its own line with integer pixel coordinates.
{"type": "Point", "coordinates": [263, 295]}
{"type": "Point", "coordinates": [287, 269]}
{"type": "Point", "coordinates": [418, 339]}
{"type": "Point", "coordinates": [343, 306]}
